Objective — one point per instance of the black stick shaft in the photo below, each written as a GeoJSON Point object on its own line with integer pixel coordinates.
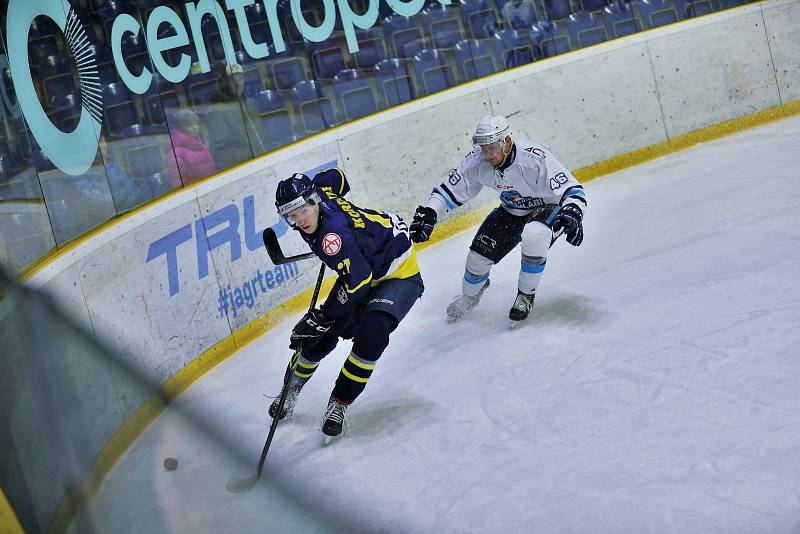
{"type": "Point", "coordinates": [288, 373]}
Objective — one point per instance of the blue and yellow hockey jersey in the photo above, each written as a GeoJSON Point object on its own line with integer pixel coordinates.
{"type": "Point", "coordinates": [364, 246]}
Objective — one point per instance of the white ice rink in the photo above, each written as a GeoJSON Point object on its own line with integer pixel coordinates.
{"type": "Point", "coordinates": [656, 388]}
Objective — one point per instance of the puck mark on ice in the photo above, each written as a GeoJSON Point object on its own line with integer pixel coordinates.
{"type": "Point", "coordinates": [331, 244]}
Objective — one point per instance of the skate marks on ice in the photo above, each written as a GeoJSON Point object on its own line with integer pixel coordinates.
{"type": "Point", "coordinates": [552, 307]}
{"type": "Point", "coordinates": [378, 418]}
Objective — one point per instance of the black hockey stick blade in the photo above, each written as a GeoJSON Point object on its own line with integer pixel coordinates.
{"type": "Point", "coordinates": [274, 249]}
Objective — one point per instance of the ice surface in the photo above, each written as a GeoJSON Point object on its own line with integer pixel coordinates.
{"type": "Point", "coordinates": [654, 389]}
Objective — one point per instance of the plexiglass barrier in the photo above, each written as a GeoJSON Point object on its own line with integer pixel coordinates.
{"type": "Point", "coordinates": [109, 104]}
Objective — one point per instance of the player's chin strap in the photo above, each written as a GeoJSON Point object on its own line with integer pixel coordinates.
{"type": "Point", "coordinates": [505, 154]}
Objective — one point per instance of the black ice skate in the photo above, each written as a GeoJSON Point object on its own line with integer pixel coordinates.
{"type": "Point", "coordinates": [463, 304]}
{"type": "Point", "coordinates": [293, 390]}
{"type": "Point", "coordinates": [333, 423]}
{"type": "Point", "coordinates": [522, 306]}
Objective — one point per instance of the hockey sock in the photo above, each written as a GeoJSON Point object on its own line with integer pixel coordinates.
{"type": "Point", "coordinates": [476, 272]}
{"type": "Point", "coordinates": [530, 273]}
{"type": "Point", "coordinates": [371, 339]}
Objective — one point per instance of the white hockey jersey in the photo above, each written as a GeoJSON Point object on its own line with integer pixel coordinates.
{"type": "Point", "coordinates": [530, 182]}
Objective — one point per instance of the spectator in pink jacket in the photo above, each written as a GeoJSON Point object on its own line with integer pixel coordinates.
{"type": "Point", "coordinates": [193, 159]}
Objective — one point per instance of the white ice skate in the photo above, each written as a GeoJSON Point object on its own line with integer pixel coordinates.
{"type": "Point", "coordinates": [463, 304]}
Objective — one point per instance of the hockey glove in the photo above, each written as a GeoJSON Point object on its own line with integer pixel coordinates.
{"type": "Point", "coordinates": [422, 226]}
{"type": "Point", "coordinates": [570, 220]}
{"type": "Point", "coordinates": [308, 331]}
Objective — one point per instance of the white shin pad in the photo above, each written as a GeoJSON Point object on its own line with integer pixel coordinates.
{"type": "Point", "coordinates": [476, 273]}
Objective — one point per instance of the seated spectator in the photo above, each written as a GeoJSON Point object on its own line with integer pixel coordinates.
{"type": "Point", "coordinates": [235, 133]}
{"type": "Point", "coordinates": [193, 159]}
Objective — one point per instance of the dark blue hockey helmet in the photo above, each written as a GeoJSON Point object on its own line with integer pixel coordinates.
{"type": "Point", "coordinates": [294, 192]}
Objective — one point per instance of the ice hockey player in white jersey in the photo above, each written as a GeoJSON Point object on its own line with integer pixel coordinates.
{"type": "Point", "coordinates": [539, 199]}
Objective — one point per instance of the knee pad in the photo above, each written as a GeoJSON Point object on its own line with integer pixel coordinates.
{"type": "Point", "coordinates": [536, 238]}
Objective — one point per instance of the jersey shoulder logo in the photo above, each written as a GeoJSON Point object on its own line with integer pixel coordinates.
{"type": "Point", "coordinates": [331, 244]}
{"type": "Point", "coordinates": [534, 152]}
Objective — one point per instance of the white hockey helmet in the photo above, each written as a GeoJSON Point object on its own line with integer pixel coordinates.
{"type": "Point", "coordinates": [491, 129]}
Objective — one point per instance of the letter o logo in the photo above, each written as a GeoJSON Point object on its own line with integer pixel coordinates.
{"type": "Point", "coordinates": [71, 152]}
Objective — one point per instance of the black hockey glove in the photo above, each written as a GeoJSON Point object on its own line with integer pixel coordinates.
{"type": "Point", "coordinates": [308, 331]}
{"type": "Point", "coordinates": [570, 220]}
{"type": "Point", "coordinates": [422, 226]}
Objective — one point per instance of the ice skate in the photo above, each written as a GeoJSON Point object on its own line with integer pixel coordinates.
{"type": "Point", "coordinates": [521, 308]}
{"type": "Point", "coordinates": [334, 422]}
{"type": "Point", "coordinates": [292, 392]}
{"type": "Point", "coordinates": [463, 304]}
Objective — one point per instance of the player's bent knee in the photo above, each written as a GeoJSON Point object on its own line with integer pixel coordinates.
{"type": "Point", "coordinates": [372, 334]}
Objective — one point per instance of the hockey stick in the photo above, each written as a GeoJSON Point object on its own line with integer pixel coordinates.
{"type": "Point", "coordinates": [238, 485]}
{"type": "Point", "coordinates": [274, 249]}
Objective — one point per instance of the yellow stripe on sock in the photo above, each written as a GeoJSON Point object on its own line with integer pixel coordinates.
{"type": "Point", "coordinates": [353, 377]}
{"type": "Point", "coordinates": [358, 363]}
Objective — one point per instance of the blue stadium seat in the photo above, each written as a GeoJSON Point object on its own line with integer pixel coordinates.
{"type": "Point", "coordinates": [42, 49]}
{"type": "Point", "coordinates": [8, 168]}
{"type": "Point", "coordinates": [403, 34]}
{"type": "Point", "coordinates": [160, 104]}
{"type": "Point", "coordinates": [201, 88]}
{"type": "Point", "coordinates": [592, 5]}
{"type": "Point", "coordinates": [313, 105]}
{"type": "Point", "coordinates": [519, 14]}
{"type": "Point", "coordinates": [695, 8]}
{"type": "Point", "coordinates": [66, 108]}
{"type": "Point", "coordinates": [443, 26]}
{"type": "Point", "coordinates": [512, 48]}
{"type": "Point", "coordinates": [474, 59]}
{"type": "Point", "coordinates": [557, 9]}
{"type": "Point", "coordinates": [371, 49]}
{"type": "Point", "coordinates": [287, 22]}
{"type": "Point", "coordinates": [728, 4]}
{"type": "Point", "coordinates": [480, 17]}
{"type": "Point", "coordinates": [549, 38]}
{"type": "Point", "coordinates": [393, 81]}
{"type": "Point", "coordinates": [134, 50]}
{"type": "Point", "coordinates": [275, 117]}
{"type": "Point", "coordinates": [257, 21]}
{"type": "Point", "coordinates": [432, 72]}
{"type": "Point", "coordinates": [56, 78]}
{"type": "Point", "coordinates": [620, 19]}
{"type": "Point", "coordinates": [657, 13]}
{"type": "Point", "coordinates": [586, 29]}
{"type": "Point", "coordinates": [354, 94]}
{"type": "Point", "coordinates": [120, 116]}
{"type": "Point", "coordinates": [145, 162]}
{"type": "Point", "coordinates": [286, 68]}
{"type": "Point", "coordinates": [107, 12]}
{"type": "Point", "coordinates": [41, 28]}
{"type": "Point", "coordinates": [326, 57]}
{"type": "Point", "coordinates": [135, 130]}
{"type": "Point", "coordinates": [52, 66]}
